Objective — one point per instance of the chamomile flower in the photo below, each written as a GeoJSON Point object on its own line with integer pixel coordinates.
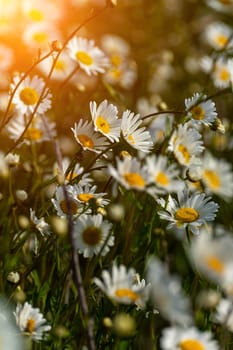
{"type": "Point", "coordinates": [160, 127]}
{"type": "Point", "coordinates": [105, 119]}
{"type": "Point", "coordinates": [213, 258]}
{"type": "Point", "coordinates": [86, 193]}
{"type": "Point", "coordinates": [40, 35]}
{"type": "Point", "coordinates": [136, 136]}
{"type": "Point", "coordinates": [123, 286]}
{"type": "Point", "coordinates": [93, 235]}
{"type": "Point", "coordinates": [218, 35]}
{"type": "Point", "coordinates": [221, 75]}
{"type": "Point", "coordinates": [200, 112]}
{"type": "Point", "coordinates": [31, 321]}
{"type": "Point", "coordinates": [178, 338]}
{"type": "Point", "coordinates": [163, 175]}
{"type": "Point", "coordinates": [217, 176]}
{"type": "Point", "coordinates": [87, 138]}
{"type": "Point", "coordinates": [167, 294]}
{"type": "Point", "coordinates": [130, 173]}
{"type": "Point", "coordinates": [28, 95]}
{"type": "Point", "coordinates": [224, 314]}
{"type": "Point", "coordinates": [186, 144]}
{"type": "Point", "coordinates": [90, 58]}
{"type": "Point", "coordinates": [61, 205]}
{"type": "Point", "coordinates": [189, 210]}
{"type": "Point", "coordinates": [116, 47]}
{"type": "Point", "coordinates": [41, 11]}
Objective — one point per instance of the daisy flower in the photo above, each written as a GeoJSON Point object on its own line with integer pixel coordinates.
{"type": "Point", "coordinates": [163, 175]}
{"type": "Point", "coordinates": [28, 95]}
{"type": "Point", "coordinates": [40, 11]}
{"type": "Point", "coordinates": [189, 211]}
{"type": "Point", "coordinates": [221, 75]}
{"type": "Point", "coordinates": [90, 58]}
{"type": "Point", "coordinates": [87, 138]}
{"type": "Point", "coordinates": [93, 235]}
{"type": "Point", "coordinates": [105, 119]}
{"type": "Point", "coordinates": [218, 35]}
{"type": "Point", "coordinates": [31, 321]}
{"type": "Point", "coordinates": [88, 192]}
{"type": "Point", "coordinates": [186, 144]}
{"type": "Point", "coordinates": [200, 112]}
{"type": "Point", "coordinates": [178, 338]}
{"type": "Point", "coordinates": [124, 75]}
{"type": "Point", "coordinates": [221, 5]}
{"type": "Point", "coordinates": [130, 173]}
{"type": "Point", "coordinates": [116, 47]}
{"type": "Point", "coordinates": [160, 127]}
{"type": "Point", "coordinates": [60, 203]}
{"type": "Point", "coordinates": [167, 294]}
{"type": "Point", "coordinates": [137, 137]}
{"type": "Point", "coordinates": [213, 258]}
{"type": "Point", "coordinates": [123, 286]}
{"type": "Point", "coordinates": [224, 314]}
{"type": "Point", "coordinates": [217, 176]}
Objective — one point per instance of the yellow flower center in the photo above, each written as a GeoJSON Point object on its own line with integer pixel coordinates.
{"type": "Point", "coordinates": [212, 178]}
{"type": "Point", "coordinates": [191, 344]}
{"type": "Point", "coordinates": [130, 138]}
{"type": "Point", "coordinates": [60, 65]}
{"type": "Point", "coordinates": [85, 197]}
{"type": "Point", "coordinates": [102, 124]}
{"type": "Point", "coordinates": [31, 325]}
{"type": "Point", "coordinates": [86, 141]}
{"type": "Point", "coordinates": [84, 58]}
{"type": "Point", "coordinates": [92, 235]}
{"type": "Point", "coordinates": [126, 293]}
{"type": "Point", "coordinates": [198, 113]}
{"type": "Point", "coordinates": [215, 264]}
{"type": "Point", "coordinates": [40, 37]}
{"type": "Point", "coordinates": [134, 179]}
{"type": "Point", "coordinates": [29, 96]}
{"type": "Point", "coordinates": [221, 40]}
{"type": "Point", "coordinates": [33, 134]}
{"type": "Point", "coordinates": [162, 179]}
{"type": "Point", "coordinates": [36, 15]}
{"type": "Point", "coordinates": [115, 73]}
{"type": "Point", "coordinates": [116, 60]}
{"type": "Point", "coordinates": [72, 204]}
{"type": "Point", "coordinates": [184, 215]}
{"type": "Point", "coordinates": [224, 75]}
{"type": "Point", "coordinates": [185, 153]}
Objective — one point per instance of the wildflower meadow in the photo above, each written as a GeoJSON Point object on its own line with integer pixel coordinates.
{"type": "Point", "coordinates": [116, 174]}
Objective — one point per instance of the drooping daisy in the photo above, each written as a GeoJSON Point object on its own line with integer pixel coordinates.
{"type": "Point", "coordinates": [105, 119]}
{"type": "Point", "coordinates": [221, 75]}
{"type": "Point", "coordinates": [87, 138]}
{"type": "Point", "coordinates": [218, 35]}
{"type": "Point", "coordinates": [90, 58]}
{"type": "Point", "coordinates": [178, 338]}
{"type": "Point", "coordinates": [31, 321]}
{"type": "Point", "coordinates": [224, 314]}
{"type": "Point", "coordinates": [36, 132]}
{"type": "Point", "coordinates": [217, 176]}
{"type": "Point", "coordinates": [213, 258]}
{"type": "Point", "coordinates": [167, 294]}
{"type": "Point", "coordinates": [28, 95]}
{"type": "Point", "coordinates": [123, 286]}
{"type": "Point", "coordinates": [138, 137]}
{"type": "Point", "coordinates": [200, 112]}
{"type": "Point", "coordinates": [163, 175]}
{"type": "Point", "coordinates": [93, 235]}
{"type": "Point", "coordinates": [130, 173]}
{"type": "Point", "coordinates": [190, 210]}
{"type": "Point", "coordinates": [40, 224]}
{"type": "Point", "coordinates": [186, 144]}
{"type": "Point", "coordinates": [61, 205]}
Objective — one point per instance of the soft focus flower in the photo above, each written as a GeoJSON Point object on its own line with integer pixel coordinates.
{"type": "Point", "coordinates": [224, 314]}
{"type": "Point", "coordinates": [40, 224]}
{"type": "Point", "coordinates": [200, 111]}
{"type": "Point", "coordinates": [218, 35]}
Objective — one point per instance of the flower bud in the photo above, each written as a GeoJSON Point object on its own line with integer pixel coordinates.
{"type": "Point", "coordinates": [124, 325]}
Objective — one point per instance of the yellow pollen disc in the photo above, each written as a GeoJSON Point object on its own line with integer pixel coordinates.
{"type": "Point", "coordinates": [102, 124]}
{"type": "Point", "coordinates": [60, 65]}
{"type": "Point", "coordinates": [224, 75]}
{"type": "Point", "coordinates": [115, 73]}
{"type": "Point", "coordinates": [198, 113]}
{"type": "Point", "coordinates": [184, 215]}
{"type": "Point", "coordinates": [221, 40]}
{"type": "Point", "coordinates": [126, 293]}
{"type": "Point", "coordinates": [84, 58]}
{"type": "Point", "coordinates": [130, 138]}
{"type": "Point", "coordinates": [162, 179]}
{"type": "Point", "coordinates": [40, 37]}
{"type": "Point", "coordinates": [85, 197]}
{"type": "Point", "coordinates": [116, 60]}
{"type": "Point", "coordinates": [31, 325]}
{"type": "Point", "coordinates": [134, 179]}
{"type": "Point", "coordinates": [73, 207]}
{"type": "Point", "coordinates": [215, 264]}
{"type": "Point", "coordinates": [29, 96]}
{"type": "Point", "coordinates": [36, 15]}
{"type": "Point", "coordinates": [191, 344]}
{"type": "Point", "coordinates": [212, 178]}
{"type": "Point", "coordinates": [185, 153]}
{"type": "Point", "coordinates": [85, 141]}
{"type": "Point", "coordinates": [92, 235]}
{"type": "Point", "coordinates": [33, 134]}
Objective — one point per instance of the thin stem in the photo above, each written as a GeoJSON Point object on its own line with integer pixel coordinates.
{"type": "Point", "coordinates": [162, 112]}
